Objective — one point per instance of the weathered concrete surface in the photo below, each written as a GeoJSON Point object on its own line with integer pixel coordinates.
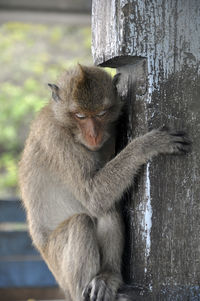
{"type": "Point", "coordinates": [156, 46]}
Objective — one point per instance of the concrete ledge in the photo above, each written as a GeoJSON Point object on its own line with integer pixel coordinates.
{"type": "Point", "coordinates": [44, 17]}
{"type": "Point", "coordinates": [78, 6]}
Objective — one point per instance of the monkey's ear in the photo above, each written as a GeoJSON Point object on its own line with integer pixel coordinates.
{"type": "Point", "coordinates": [82, 74]}
{"type": "Point", "coordinates": [55, 90]}
{"type": "Point", "coordinates": [116, 79]}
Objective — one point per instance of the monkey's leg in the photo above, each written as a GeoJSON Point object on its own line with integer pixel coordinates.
{"type": "Point", "coordinates": [104, 286]}
{"type": "Point", "coordinates": [76, 258]}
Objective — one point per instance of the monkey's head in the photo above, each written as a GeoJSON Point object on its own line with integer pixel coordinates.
{"type": "Point", "coordinates": [85, 101]}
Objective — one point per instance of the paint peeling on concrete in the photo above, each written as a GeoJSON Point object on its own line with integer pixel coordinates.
{"type": "Point", "coordinates": [148, 212]}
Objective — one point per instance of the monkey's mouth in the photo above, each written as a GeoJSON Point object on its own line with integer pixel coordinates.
{"type": "Point", "coordinates": [94, 148]}
{"type": "Point", "coordinates": [97, 147]}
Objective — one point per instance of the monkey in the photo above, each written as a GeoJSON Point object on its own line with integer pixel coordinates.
{"type": "Point", "coordinates": [71, 181]}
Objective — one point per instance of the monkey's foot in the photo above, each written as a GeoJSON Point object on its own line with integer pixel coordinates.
{"type": "Point", "coordinates": [129, 293]}
{"type": "Point", "coordinates": [124, 297]}
{"type": "Point", "coordinates": [98, 290]}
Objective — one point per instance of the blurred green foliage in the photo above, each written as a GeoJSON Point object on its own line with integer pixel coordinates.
{"type": "Point", "coordinates": [31, 56]}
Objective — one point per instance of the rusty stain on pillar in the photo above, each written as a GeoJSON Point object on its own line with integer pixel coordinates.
{"type": "Point", "coordinates": [155, 45]}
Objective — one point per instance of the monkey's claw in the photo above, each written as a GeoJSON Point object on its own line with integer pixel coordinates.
{"type": "Point", "coordinates": [97, 290]}
{"type": "Point", "coordinates": [182, 145]}
{"type": "Point", "coordinates": [174, 142]}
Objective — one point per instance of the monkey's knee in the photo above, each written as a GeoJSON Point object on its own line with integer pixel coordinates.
{"type": "Point", "coordinates": [83, 218]}
{"type": "Point", "coordinates": [82, 223]}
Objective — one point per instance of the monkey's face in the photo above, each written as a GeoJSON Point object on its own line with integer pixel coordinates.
{"type": "Point", "coordinates": [86, 103]}
{"type": "Point", "coordinates": [93, 128]}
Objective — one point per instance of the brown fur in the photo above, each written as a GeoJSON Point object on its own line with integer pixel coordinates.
{"type": "Point", "coordinates": [70, 192]}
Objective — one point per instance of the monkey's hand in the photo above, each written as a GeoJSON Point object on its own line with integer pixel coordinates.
{"type": "Point", "coordinates": [168, 141]}
{"type": "Point", "coordinates": [101, 289]}
{"type": "Point", "coordinates": [97, 290]}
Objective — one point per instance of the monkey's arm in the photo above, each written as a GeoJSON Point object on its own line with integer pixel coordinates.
{"type": "Point", "coordinates": [99, 193]}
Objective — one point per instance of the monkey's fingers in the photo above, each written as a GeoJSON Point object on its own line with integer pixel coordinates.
{"type": "Point", "coordinates": [176, 137]}
{"type": "Point", "coordinates": [86, 292]}
{"type": "Point", "coordinates": [98, 290]}
{"type": "Point", "coordinates": [181, 139]}
{"type": "Point", "coordinates": [182, 145]}
{"type": "Point", "coordinates": [100, 293]}
{"type": "Point", "coordinates": [178, 133]}
{"type": "Point", "coordinates": [178, 141]}
{"type": "Point", "coordinates": [107, 295]}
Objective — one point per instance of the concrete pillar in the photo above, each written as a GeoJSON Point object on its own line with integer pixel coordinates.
{"type": "Point", "coordinates": [155, 45]}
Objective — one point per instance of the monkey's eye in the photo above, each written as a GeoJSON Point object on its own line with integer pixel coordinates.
{"type": "Point", "coordinates": [101, 113]}
{"type": "Point", "coordinates": [80, 116]}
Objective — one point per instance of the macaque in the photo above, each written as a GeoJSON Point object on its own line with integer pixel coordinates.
{"type": "Point", "coordinates": [71, 182]}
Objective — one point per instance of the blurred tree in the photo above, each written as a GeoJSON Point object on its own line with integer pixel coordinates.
{"type": "Point", "coordinates": [31, 56]}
